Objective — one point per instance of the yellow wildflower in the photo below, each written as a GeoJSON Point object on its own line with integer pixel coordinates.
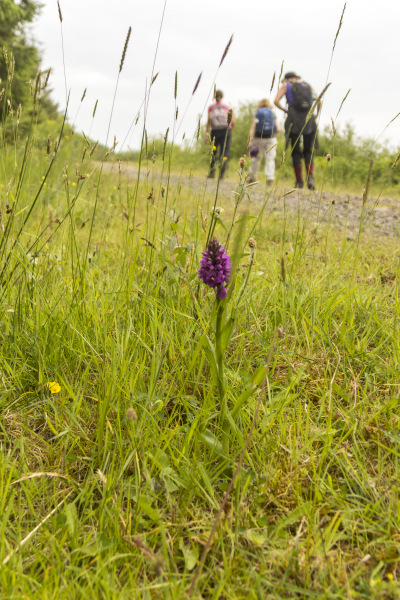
{"type": "Point", "coordinates": [53, 386]}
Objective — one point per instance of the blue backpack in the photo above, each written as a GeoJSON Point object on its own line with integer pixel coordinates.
{"type": "Point", "coordinates": [265, 120]}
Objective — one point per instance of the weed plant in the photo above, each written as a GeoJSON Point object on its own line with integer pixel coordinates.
{"type": "Point", "coordinates": [110, 477]}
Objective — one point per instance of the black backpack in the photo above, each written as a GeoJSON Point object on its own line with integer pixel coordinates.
{"type": "Point", "coordinates": [302, 95]}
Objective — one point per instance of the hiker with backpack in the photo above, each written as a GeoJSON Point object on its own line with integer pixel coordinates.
{"type": "Point", "coordinates": [262, 140]}
{"type": "Point", "coordinates": [300, 97]}
{"type": "Point", "coordinates": [219, 130]}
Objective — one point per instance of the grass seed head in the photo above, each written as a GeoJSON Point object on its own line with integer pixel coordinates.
{"type": "Point", "coordinates": [93, 148]}
{"type": "Point", "coordinates": [396, 162]}
{"type": "Point", "coordinates": [197, 83]}
{"type": "Point", "coordinates": [252, 243]}
{"type": "Point", "coordinates": [242, 162]}
{"type": "Point", "coordinates": [46, 81]}
{"type": "Point", "coordinates": [273, 81]}
{"type": "Point", "coordinates": [131, 414]}
{"type": "Point", "coordinates": [283, 269]}
{"type": "Point", "coordinates": [204, 219]}
{"type": "Point", "coordinates": [121, 64]}
{"type": "Point", "coordinates": [37, 87]}
{"type": "Point", "coordinates": [226, 50]}
{"type": "Point", "coordinates": [230, 116]}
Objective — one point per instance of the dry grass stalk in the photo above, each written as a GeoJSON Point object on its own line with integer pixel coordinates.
{"type": "Point", "coordinates": [59, 12]}
{"type": "Point", "coordinates": [47, 517]}
{"type": "Point", "coordinates": [45, 474]}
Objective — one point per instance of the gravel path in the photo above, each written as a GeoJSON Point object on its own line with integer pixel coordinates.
{"type": "Point", "coordinates": [379, 217]}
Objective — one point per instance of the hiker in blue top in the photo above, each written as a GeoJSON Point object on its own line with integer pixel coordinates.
{"type": "Point", "coordinates": [262, 140]}
{"type": "Point", "coordinates": [300, 97]}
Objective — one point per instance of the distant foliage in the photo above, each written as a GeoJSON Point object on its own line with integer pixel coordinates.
{"type": "Point", "coordinates": [20, 61]}
{"type": "Point", "coordinates": [351, 156]}
{"type": "Point", "coordinates": [350, 153]}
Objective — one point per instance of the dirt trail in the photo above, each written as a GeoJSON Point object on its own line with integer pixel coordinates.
{"type": "Point", "coordinates": [380, 217]}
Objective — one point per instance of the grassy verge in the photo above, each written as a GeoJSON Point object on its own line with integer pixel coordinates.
{"type": "Point", "coordinates": [108, 472]}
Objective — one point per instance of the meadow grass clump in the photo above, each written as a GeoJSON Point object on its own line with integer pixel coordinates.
{"type": "Point", "coordinates": [161, 438]}
{"type": "Point", "coordinates": [115, 465]}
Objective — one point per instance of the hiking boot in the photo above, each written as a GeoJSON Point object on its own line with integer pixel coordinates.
{"type": "Point", "coordinates": [250, 178]}
{"type": "Point", "coordinates": [311, 182]}
{"type": "Point", "coordinates": [211, 175]}
{"type": "Point", "coordinates": [299, 185]}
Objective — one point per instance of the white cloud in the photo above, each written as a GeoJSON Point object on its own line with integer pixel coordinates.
{"type": "Point", "coordinates": [192, 40]}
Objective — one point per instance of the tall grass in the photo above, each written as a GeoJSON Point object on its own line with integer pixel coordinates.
{"type": "Point", "coordinates": [109, 487]}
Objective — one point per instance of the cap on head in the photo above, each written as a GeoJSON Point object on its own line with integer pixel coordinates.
{"type": "Point", "coordinates": [219, 94]}
{"type": "Point", "coordinates": [291, 75]}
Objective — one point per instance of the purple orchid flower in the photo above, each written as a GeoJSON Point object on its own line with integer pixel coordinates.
{"type": "Point", "coordinates": [215, 268]}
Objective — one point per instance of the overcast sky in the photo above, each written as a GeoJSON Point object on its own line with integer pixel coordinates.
{"type": "Point", "coordinates": [192, 39]}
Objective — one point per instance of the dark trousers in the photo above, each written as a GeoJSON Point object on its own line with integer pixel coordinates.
{"type": "Point", "coordinates": [309, 145]}
{"type": "Point", "coordinates": [218, 137]}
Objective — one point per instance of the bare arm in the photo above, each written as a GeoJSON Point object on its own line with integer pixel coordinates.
{"type": "Point", "coordinates": [279, 96]}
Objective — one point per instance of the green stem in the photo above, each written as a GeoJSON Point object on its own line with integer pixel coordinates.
{"type": "Point", "coordinates": [221, 382]}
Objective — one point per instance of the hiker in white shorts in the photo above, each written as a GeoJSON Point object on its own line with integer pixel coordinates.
{"type": "Point", "coordinates": [262, 141]}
